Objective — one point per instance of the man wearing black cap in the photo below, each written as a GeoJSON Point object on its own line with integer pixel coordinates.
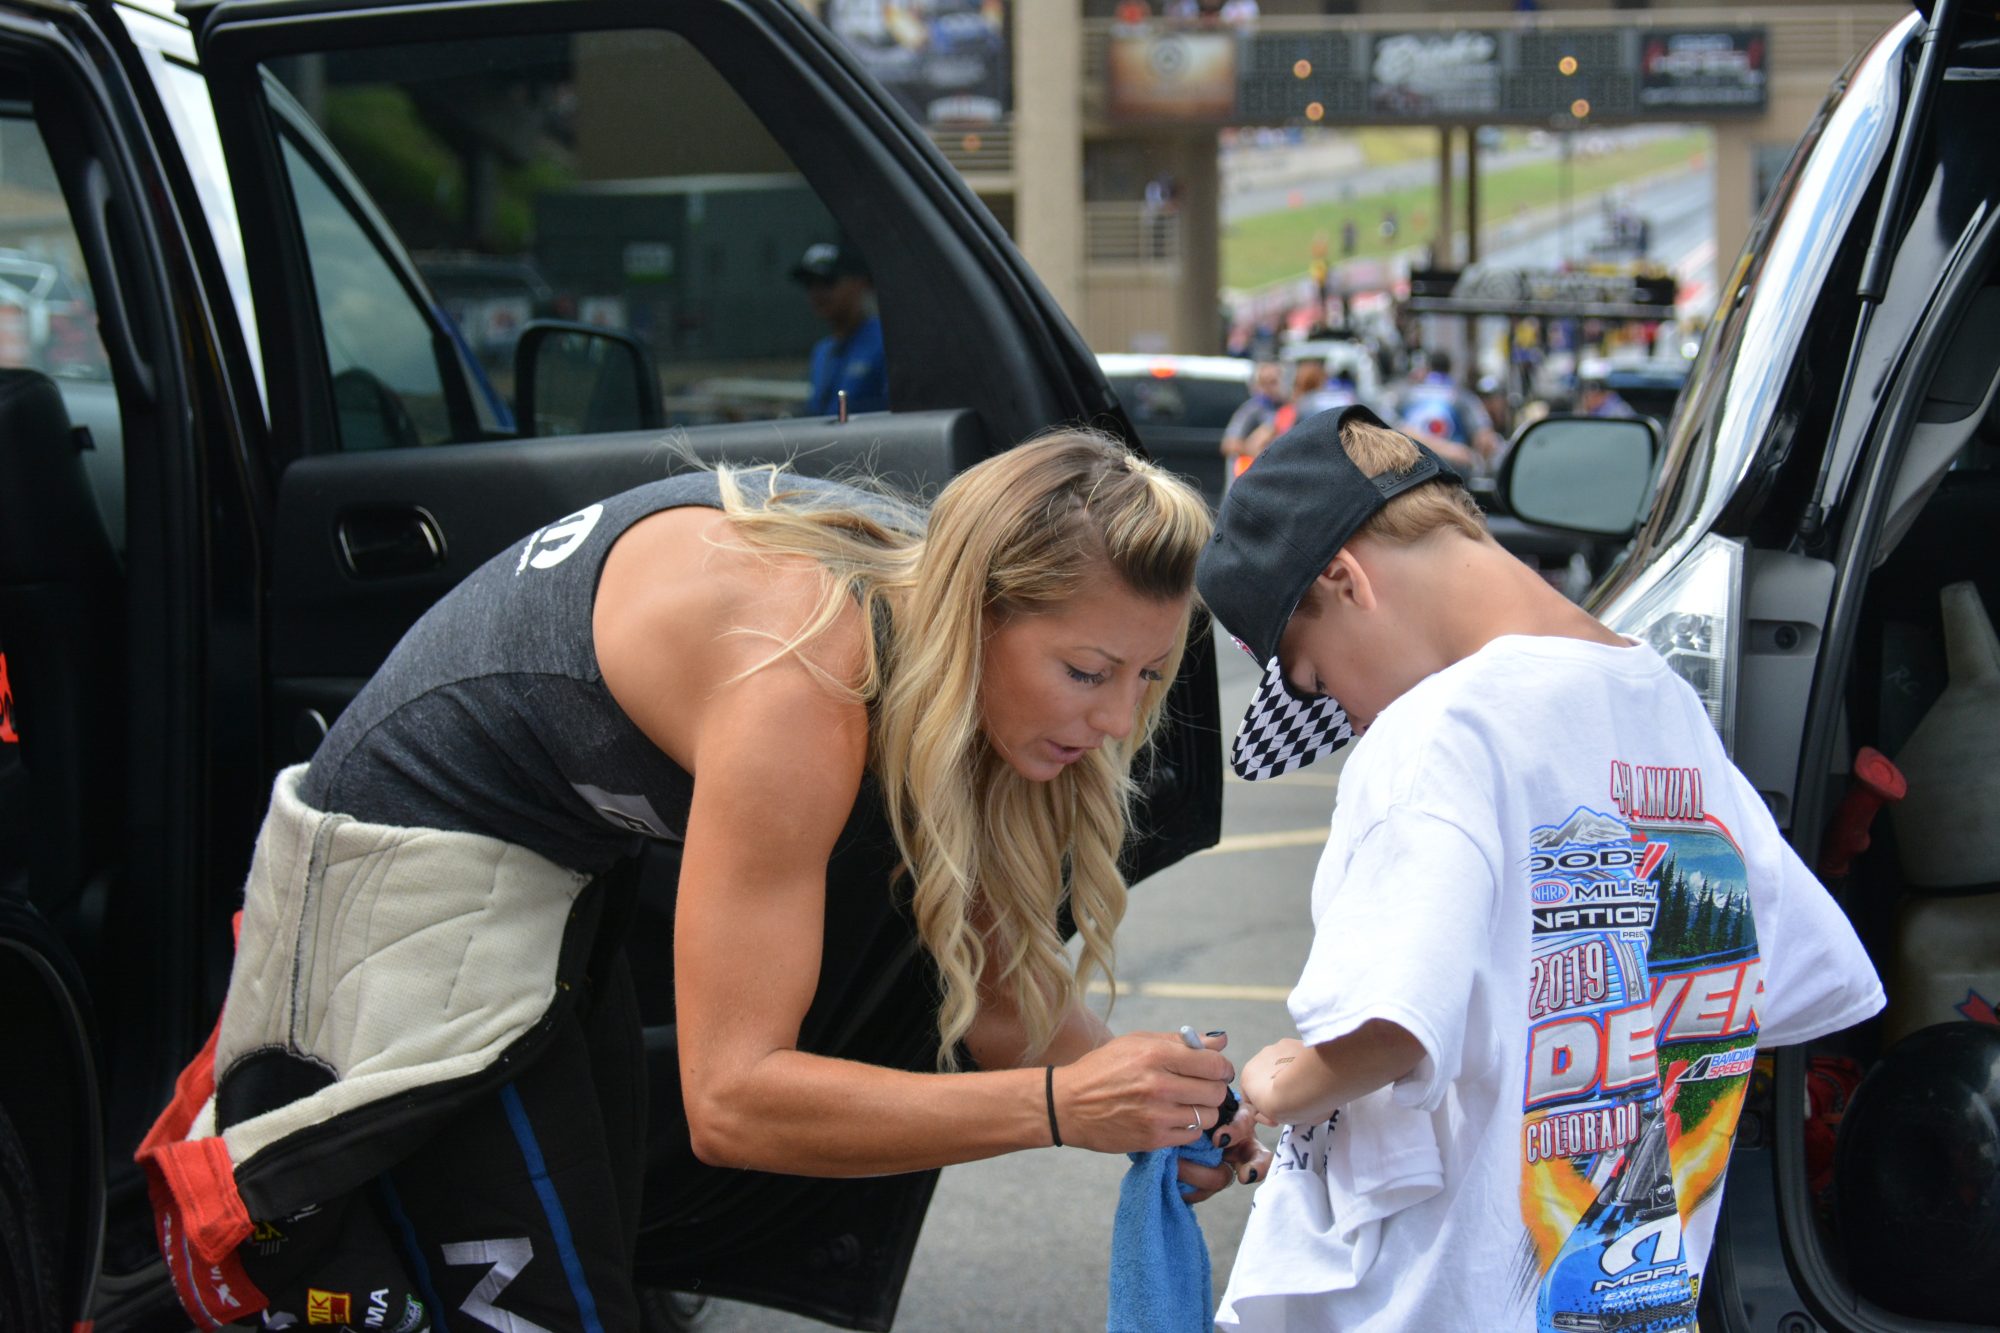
{"type": "Point", "coordinates": [850, 358]}
{"type": "Point", "coordinates": [1551, 927]}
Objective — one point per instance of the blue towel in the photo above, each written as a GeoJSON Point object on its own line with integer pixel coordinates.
{"type": "Point", "coordinates": [1159, 1261]}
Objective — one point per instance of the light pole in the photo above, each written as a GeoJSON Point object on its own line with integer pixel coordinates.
{"type": "Point", "coordinates": [1578, 109]}
{"type": "Point", "coordinates": [1562, 191]}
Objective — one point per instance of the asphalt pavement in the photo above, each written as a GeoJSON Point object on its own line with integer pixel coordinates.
{"type": "Point", "coordinates": [1023, 1242]}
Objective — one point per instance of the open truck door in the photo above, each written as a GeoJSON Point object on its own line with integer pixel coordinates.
{"type": "Point", "coordinates": [656, 171]}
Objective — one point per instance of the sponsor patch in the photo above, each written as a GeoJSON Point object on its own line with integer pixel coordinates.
{"type": "Point", "coordinates": [328, 1307]}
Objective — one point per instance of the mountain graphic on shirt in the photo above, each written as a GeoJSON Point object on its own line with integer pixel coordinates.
{"type": "Point", "coordinates": [1584, 827]}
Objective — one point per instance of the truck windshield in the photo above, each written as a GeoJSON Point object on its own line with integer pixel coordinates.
{"type": "Point", "coordinates": [1762, 308]}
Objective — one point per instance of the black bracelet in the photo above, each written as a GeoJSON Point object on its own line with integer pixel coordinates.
{"type": "Point", "coordinates": [1049, 1086]}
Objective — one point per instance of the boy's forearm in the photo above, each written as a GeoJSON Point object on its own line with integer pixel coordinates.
{"type": "Point", "coordinates": [1317, 1080]}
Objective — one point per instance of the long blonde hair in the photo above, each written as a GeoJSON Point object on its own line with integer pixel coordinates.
{"type": "Point", "coordinates": [989, 854]}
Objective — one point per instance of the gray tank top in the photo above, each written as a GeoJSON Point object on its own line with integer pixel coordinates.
{"type": "Point", "coordinates": [491, 716]}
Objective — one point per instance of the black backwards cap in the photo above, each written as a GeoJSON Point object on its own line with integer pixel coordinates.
{"type": "Point", "coordinates": [1280, 525]}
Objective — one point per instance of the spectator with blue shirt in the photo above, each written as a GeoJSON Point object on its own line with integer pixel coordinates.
{"type": "Point", "coordinates": [851, 357]}
{"type": "Point", "coordinates": [1449, 421]}
{"type": "Point", "coordinates": [1594, 395]}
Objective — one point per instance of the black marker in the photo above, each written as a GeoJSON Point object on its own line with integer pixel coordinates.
{"type": "Point", "coordinates": [1225, 1112]}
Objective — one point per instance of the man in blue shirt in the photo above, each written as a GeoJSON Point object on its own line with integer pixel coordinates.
{"type": "Point", "coordinates": [851, 357]}
{"type": "Point", "coordinates": [1596, 398]}
{"type": "Point", "coordinates": [1450, 421]}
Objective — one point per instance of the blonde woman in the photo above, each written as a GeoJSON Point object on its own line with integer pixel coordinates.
{"type": "Point", "coordinates": [424, 1077]}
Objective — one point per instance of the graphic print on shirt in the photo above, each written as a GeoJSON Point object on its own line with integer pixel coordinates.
{"type": "Point", "coordinates": [1642, 1014]}
{"type": "Point", "coordinates": [1303, 1147]}
{"type": "Point", "coordinates": [548, 547]}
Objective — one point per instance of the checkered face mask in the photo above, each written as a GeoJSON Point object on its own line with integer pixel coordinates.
{"type": "Point", "coordinates": [1284, 731]}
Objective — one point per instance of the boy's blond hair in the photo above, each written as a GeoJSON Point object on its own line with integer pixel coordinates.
{"type": "Point", "coordinates": [1418, 512]}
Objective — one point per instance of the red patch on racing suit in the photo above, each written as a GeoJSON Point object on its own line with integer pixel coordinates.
{"type": "Point", "coordinates": [7, 733]}
{"type": "Point", "coordinates": [199, 1218]}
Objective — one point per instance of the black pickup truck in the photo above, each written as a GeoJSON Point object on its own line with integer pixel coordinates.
{"type": "Point", "coordinates": [1831, 468]}
{"type": "Point", "coordinates": [218, 518]}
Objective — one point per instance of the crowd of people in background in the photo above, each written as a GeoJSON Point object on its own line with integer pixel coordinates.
{"type": "Point", "coordinates": [1466, 420]}
{"type": "Point", "coordinates": [1235, 13]}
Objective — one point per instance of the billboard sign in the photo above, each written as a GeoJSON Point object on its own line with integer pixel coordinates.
{"type": "Point", "coordinates": [1167, 74]}
{"type": "Point", "coordinates": [1420, 75]}
{"type": "Point", "coordinates": [947, 61]}
{"type": "Point", "coordinates": [1702, 71]}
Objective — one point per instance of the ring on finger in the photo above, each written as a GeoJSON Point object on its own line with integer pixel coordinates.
{"type": "Point", "coordinates": [1196, 1126]}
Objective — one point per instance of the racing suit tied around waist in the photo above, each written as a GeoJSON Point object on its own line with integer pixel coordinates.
{"type": "Point", "coordinates": [395, 971]}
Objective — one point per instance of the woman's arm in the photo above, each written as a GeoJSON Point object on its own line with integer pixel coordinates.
{"type": "Point", "coordinates": [1291, 1083]}
{"type": "Point", "coordinates": [771, 796]}
{"type": "Point", "coordinates": [778, 760]}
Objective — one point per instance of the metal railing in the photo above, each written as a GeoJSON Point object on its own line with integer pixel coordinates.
{"type": "Point", "coordinates": [1131, 234]}
{"type": "Point", "coordinates": [977, 150]}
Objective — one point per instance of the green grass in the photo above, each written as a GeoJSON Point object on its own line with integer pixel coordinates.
{"type": "Point", "coordinates": [1381, 147]}
{"type": "Point", "coordinates": [1273, 246]}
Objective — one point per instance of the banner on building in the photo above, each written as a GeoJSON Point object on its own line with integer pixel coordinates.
{"type": "Point", "coordinates": [1419, 75]}
{"type": "Point", "coordinates": [1165, 73]}
{"type": "Point", "coordinates": [946, 61]}
{"type": "Point", "coordinates": [1168, 74]}
{"type": "Point", "coordinates": [1702, 71]}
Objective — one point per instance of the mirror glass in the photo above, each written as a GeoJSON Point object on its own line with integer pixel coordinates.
{"type": "Point", "coordinates": [1583, 473]}
{"type": "Point", "coordinates": [586, 384]}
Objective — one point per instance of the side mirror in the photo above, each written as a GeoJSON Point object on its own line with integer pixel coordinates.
{"type": "Point", "coordinates": [578, 379]}
{"type": "Point", "coordinates": [1581, 474]}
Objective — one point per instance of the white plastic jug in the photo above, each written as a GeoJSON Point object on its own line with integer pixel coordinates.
{"type": "Point", "coordinates": [1948, 828]}
{"type": "Point", "coordinates": [1946, 967]}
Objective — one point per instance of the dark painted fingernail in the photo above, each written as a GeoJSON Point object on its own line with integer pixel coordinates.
{"type": "Point", "coordinates": [1253, 1176]}
{"type": "Point", "coordinates": [1222, 1142]}
{"type": "Point", "coordinates": [1220, 1032]}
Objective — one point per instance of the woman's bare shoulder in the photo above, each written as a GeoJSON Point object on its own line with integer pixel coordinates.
{"type": "Point", "coordinates": [685, 610]}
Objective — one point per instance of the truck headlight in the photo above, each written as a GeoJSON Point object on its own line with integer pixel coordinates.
{"type": "Point", "coordinates": [1693, 618]}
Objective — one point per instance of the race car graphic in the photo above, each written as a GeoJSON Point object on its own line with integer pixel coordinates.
{"type": "Point", "coordinates": [1623, 1266]}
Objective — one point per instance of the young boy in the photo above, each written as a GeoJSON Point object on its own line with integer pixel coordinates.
{"type": "Point", "coordinates": [1551, 927]}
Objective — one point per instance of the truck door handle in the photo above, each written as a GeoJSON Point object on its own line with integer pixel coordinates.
{"type": "Point", "coordinates": [387, 541]}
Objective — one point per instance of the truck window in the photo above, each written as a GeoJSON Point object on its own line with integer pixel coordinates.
{"type": "Point", "coordinates": [48, 321]}
{"type": "Point", "coordinates": [48, 317]}
{"type": "Point", "coordinates": [609, 178]}
{"type": "Point", "coordinates": [387, 384]}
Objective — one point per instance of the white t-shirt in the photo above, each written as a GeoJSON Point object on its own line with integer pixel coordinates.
{"type": "Point", "coordinates": [1544, 866]}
